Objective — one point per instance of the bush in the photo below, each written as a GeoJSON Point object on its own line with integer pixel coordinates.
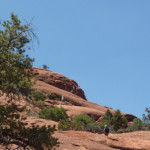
{"type": "Point", "coordinates": [108, 115]}
{"type": "Point", "coordinates": [146, 118]}
{"type": "Point", "coordinates": [78, 126]}
{"type": "Point", "coordinates": [80, 122]}
{"type": "Point", "coordinates": [53, 113]}
{"type": "Point", "coordinates": [137, 125]}
{"type": "Point", "coordinates": [83, 119]}
{"type": "Point", "coordinates": [40, 137]}
{"type": "Point", "coordinates": [22, 136]}
{"type": "Point", "coordinates": [39, 103]}
{"type": "Point", "coordinates": [94, 127]}
{"type": "Point", "coordinates": [124, 121]}
{"type": "Point", "coordinates": [45, 67]}
{"type": "Point", "coordinates": [64, 125]}
{"type": "Point", "coordinates": [38, 95]}
{"type": "Point", "coordinates": [118, 121]}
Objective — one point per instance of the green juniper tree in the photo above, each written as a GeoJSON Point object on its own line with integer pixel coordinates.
{"type": "Point", "coordinates": [118, 121]}
{"type": "Point", "coordinates": [146, 118]}
{"type": "Point", "coordinates": [15, 65]}
{"type": "Point", "coordinates": [45, 67]}
{"type": "Point", "coordinates": [16, 81]}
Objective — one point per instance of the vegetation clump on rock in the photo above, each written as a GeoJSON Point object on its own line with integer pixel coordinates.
{"type": "Point", "coordinates": [146, 118]}
{"type": "Point", "coordinates": [53, 113]}
{"type": "Point", "coordinates": [80, 123]}
{"type": "Point", "coordinates": [115, 121]}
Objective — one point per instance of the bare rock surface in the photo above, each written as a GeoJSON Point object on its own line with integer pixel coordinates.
{"type": "Point", "coordinates": [59, 81]}
{"type": "Point", "coordinates": [81, 140]}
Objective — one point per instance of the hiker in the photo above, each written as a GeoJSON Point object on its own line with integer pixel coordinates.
{"type": "Point", "coordinates": [62, 98]}
{"type": "Point", "coordinates": [106, 130]}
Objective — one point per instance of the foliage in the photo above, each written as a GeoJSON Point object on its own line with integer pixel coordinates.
{"type": "Point", "coordinates": [16, 81]}
{"type": "Point", "coordinates": [78, 126]}
{"type": "Point", "coordinates": [64, 125]}
{"type": "Point", "coordinates": [39, 103]}
{"type": "Point", "coordinates": [40, 137]}
{"type": "Point", "coordinates": [53, 113]}
{"type": "Point", "coordinates": [45, 67]}
{"type": "Point", "coordinates": [118, 121]}
{"type": "Point", "coordinates": [15, 65]}
{"type": "Point", "coordinates": [38, 95]}
{"type": "Point", "coordinates": [107, 119]}
{"type": "Point", "coordinates": [146, 118]}
{"type": "Point", "coordinates": [115, 121]}
{"type": "Point", "coordinates": [94, 127]}
{"type": "Point", "coordinates": [80, 122]}
{"type": "Point", "coordinates": [137, 125]}
{"type": "Point", "coordinates": [83, 119]}
{"type": "Point", "coordinates": [14, 131]}
{"type": "Point", "coordinates": [124, 121]}
{"type": "Point", "coordinates": [108, 115]}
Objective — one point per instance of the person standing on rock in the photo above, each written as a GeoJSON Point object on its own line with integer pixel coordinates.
{"type": "Point", "coordinates": [106, 130]}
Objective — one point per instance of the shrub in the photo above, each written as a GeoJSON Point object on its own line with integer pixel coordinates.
{"type": "Point", "coordinates": [14, 128]}
{"type": "Point", "coordinates": [104, 122]}
{"type": "Point", "coordinates": [78, 126]}
{"type": "Point", "coordinates": [137, 125]}
{"type": "Point", "coordinates": [64, 125]}
{"type": "Point", "coordinates": [94, 127]}
{"type": "Point", "coordinates": [38, 95]}
{"type": "Point", "coordinates": [39, 103]}
{"type": "Point", "coordinates": [124, 121]}
{"type": "Point", "coordinates": [107, 119]}
{"type": "Point", "coordinates": [53, 113]}
{"type": "Point", "coordinates": [108, 115]}
{"type": "Point", "coordinates": [40, 137]}
{"type": "Point", "coordinates": [84, 119]}
{"type": "Point", "coordinates": [80, 122]}
{"type": "Point", "coordinates": [118, 121]}
{"type": "Point", "coordinates": [146, 118]}
{"type": "Point", "coordinates": [115, 122]}
{"type": "Point", "coordinates": [45, 67]}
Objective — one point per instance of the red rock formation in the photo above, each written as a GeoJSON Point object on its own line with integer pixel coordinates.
{"type": "Point", "coordinates": [59, 81]}
{"type": "Point", "coordinates": [59, 85]}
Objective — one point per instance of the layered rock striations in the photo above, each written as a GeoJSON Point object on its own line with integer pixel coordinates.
{"type": "Point", "coordinates": [60, 86]}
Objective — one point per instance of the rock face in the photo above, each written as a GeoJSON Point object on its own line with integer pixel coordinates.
{"type": "Point", "coordinates": [81, 140]}
{"type": "Point", "coordinates": [59, 81]}
{"type": "Point", "coordinates": [74, 100]}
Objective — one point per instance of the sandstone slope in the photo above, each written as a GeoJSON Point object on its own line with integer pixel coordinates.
{"type": "Point", "coordinates": [59, 85]}
{"type": "Point", "coordinates": [80, 140]}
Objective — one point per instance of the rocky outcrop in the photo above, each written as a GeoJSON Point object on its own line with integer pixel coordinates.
{"type": "Point", "coordinates": [59, 85]}
{"type": "Point", "coordinates": [59, 81]}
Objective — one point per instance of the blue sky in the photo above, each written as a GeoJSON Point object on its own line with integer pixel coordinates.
{"type": "Point", "coordinates": [104, 45]}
